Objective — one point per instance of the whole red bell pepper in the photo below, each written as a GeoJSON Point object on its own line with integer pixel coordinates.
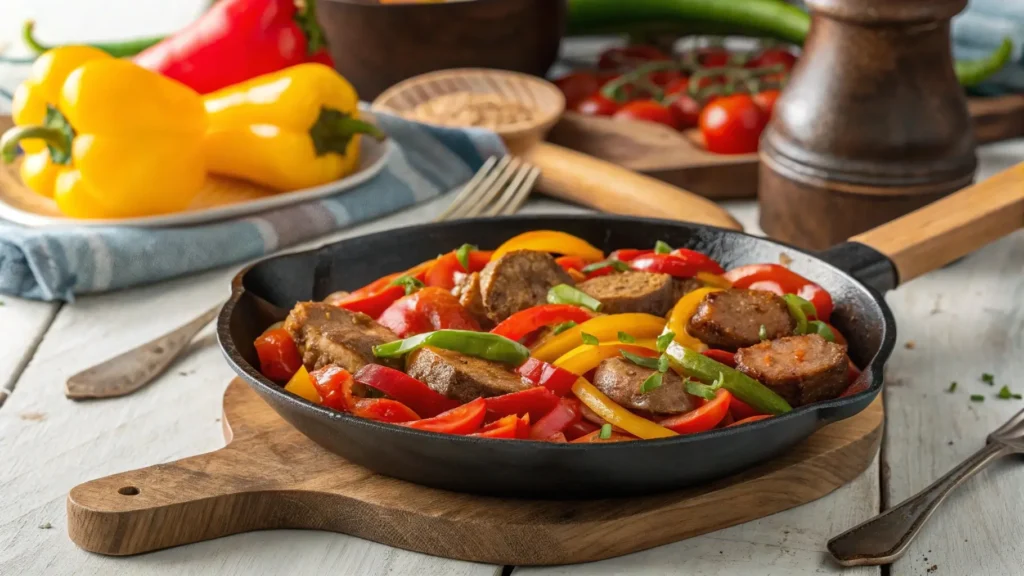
{"type": "Point", "coordinates": [278, 354]}
{"type": "Point", "coordinates": [404, 388]}
{"type": "Point", "coordinates": [557, 380]}
{"type": "Point", "coordinates": [781, 280]}
{"type": "Point", "coordinates": [462, 420]}
{"type": "Point", "coordinates": [536, 402]}
{"type": "Point", "coordinates": [518, 325]}
{"type": "Point", "coordinates": [236, 40]}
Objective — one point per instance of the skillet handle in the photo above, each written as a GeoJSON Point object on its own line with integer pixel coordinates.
{"type": "Point", "coordinates": [947, 229]}
{"type": "Point", "coordinates": [583, 179]}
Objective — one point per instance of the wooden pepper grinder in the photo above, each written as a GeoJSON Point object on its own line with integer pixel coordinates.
{"type": "Point", "coordinates": [872, 125]}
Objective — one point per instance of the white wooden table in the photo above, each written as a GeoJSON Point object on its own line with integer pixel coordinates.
{"type": "Point", "coordinates": [955, 324]}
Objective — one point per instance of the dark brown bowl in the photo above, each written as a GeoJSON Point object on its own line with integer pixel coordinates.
{"type": "Point", "coordinates": [378, 45]}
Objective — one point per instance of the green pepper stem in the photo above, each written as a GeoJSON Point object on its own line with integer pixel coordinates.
{"type": "Point", "coordinates": [52, 136]}
{"type": "Point", "coordinates": [348, 127]}
{"type": "Point", "coordinates": [116, 49]}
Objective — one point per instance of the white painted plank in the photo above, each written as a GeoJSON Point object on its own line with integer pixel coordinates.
{"type": "Point", "coordinates": [22, 325]}
{"type": "Point", "coordinates": [964, 320]}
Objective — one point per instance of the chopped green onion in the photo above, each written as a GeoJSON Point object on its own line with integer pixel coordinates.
{"type": "Point", "coordinates": [821, 329]}
{"type": "Point", "coordinates": [663, 363]}
{"type": "Point", "coordinates": [589, 339]}
{"type": "Point", "coordinates": [462, 255]}
{"type": "Point", "coordinates": [762, 333]}
{"type": "Point", "coordinates": [1005, 393]}
{"type": "Point", "coordinates": [719, 382]}
{"type": "Point", "coordinates": [1017, 396]}
{"type": "Point", "coordinates": [977, 398]}
{"type": "Point", "coordinates": [952, 387]}
{"type": "Point", "coordinates": [798, 309]}
{"type": "Point", "coordinates": [606, 432]}
{"type": "Point", "coordinates": [653, 382]}
{"type": "Point", "coordinates": [642, 361]}
{"type": "Point", "coordinates": [408, 282]}
{"type": "Point", "coordinates": [626, 338]}
{"type": "Point", "coordinates": [617, 265]}
{"type": "Point", "coordinates": [988, 379]}
{"type": "Point", "coordinates": [663, 341]}
{"type": "Point", "coordinates": [563, 327]}
{"type": "Point", "coordinates": [565, 294]}
{"type": "Point", "coordinates": [700, 390]}
{"type": "Point", "coordinates": [662, 247]}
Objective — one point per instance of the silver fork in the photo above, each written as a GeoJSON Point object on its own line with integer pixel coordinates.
{"type": "Point", "coordinates": [499, 187]}
{"type": "Point", "coordinates": [885, 538]}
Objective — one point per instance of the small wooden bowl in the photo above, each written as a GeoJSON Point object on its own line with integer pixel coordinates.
{"type": "Point", "coordinates": [377, 45]}
{"type": "Point", "coordinates": [540, 95]}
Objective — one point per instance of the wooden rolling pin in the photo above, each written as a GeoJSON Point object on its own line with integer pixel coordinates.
{"type": "Point", "coordinates": [585, 180]}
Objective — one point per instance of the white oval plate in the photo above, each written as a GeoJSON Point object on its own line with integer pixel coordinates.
{"type": "Point", "coordinates": [373, 156]}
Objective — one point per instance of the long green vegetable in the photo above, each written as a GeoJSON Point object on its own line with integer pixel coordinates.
{"type": "Point", "coordinates": [121, 49]}
{"type": "Point", "coordinates": [699, 366]}
{"type": "Point", "coordinates": [971, 72]}
{"type": "Point", "coordinates": [480, 344]}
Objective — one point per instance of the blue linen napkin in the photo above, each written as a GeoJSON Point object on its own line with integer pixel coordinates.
{"type": "Point", "coordinates": [59, 263]}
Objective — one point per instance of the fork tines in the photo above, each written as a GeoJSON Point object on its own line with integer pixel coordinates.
{"type": "Point", "coordinates": [499, 187]}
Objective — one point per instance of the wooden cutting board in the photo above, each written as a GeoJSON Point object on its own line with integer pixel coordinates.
{"type": "Point", "coordinates": [680, 159]}
{"type": "Point", "coordinates": [271, 476]}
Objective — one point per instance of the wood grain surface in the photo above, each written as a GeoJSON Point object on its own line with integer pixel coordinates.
{"type": "Point", "coordinates": [271, 476]}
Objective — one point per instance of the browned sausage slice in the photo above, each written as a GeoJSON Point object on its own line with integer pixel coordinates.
{"type": "Point", "coordinates": [620, 379]}
{"type": "Point", "coordinates": [645, 292]}
{"type": "Point", "coordinates": [467, 290]}
{"type": "Point", "coordinates": [518, 280]}
{"type": "Point", "coordinates": [326, 334]}
{"type": "Point", "coordinates": [732, 319]}
{"type": "Point", "coordinates": [801, 369]}
{"type": "Point", "coordinates": [462, 377]}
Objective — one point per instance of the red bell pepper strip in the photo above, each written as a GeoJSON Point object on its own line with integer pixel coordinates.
{"type": "Point", "coordinates": [763, 276]}
{"type": "Point", "coordinates": [750, 420]}
{"type": "Point", "coordinates": [523, 427]}
{"type": "Point", "coordinates": [335, 385]}
{"type": "Point", "coordinates": [442, 273]}
{"type": "Point", "coordinates": [507, 427]}
{"type": "Point", "coordinates": [384, 410]}
{"type": "Point", "coordinates": [278, 354]}
{"type": "Point", "coordinates": [703, 418]}
{"type": "Point", "coordinates": [404, 388]}
{"type": "Point", "coordinates": [429, 309]}
{"type": "Point", "coordinates": [555, 379]}
{"type": "Point", "coordinates": [727, 358]}
{"type": "Point", "coordinates": [571, 262]}
{"type": "Point", "coordinates": [595, 438]}
{"type": "Point", "coordinates": [579, 429]}
{"type": "Point", "coordinates": [518, 325]}
{"type": "Point", "coordinates": [536, 402]}
{"type": "Point", "coordinates": [675, 266]}
{"type": "Point", "coordinates": [236, 40]}
{"type": "Point", "coordinates": [628, 254]}
{"type": "Point", "coordinates": [729, 419]}
{"type": "Point", "coordinates": [741, 410]}
{"type": "Point", "coordinates": [706, 263]}
{"type": "Point", "coordinates": [374, 298]}
{"type": "Point", "coordinates": [462, 420]}
{"type": "Point", "coordinates": [557, 438]}
{"type": "Point", "coordinates": [565, 414]}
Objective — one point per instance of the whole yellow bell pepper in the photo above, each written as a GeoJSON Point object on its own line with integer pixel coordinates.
{"type": "Point", "coordinates": [106, 138]}
{"type": "Point", "coordinates": [291, 129]}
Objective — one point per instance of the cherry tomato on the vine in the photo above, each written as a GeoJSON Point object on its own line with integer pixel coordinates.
{"type": "Point", "coordinates": [773, 56]}
{"type": "Point", "coordinates": [597, 105]}
{"type": "Point", "coordinates": [576, 86]}
{"type": "Point", "coordinates": [732, 124]}
{"type": "Point", "coordinates": [649, 111]}
{"type": "Point", "coordinates": [766, 101]}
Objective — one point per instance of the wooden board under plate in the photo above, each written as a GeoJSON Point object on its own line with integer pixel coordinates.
{"type": "Point", "coordinates": [271, 476]}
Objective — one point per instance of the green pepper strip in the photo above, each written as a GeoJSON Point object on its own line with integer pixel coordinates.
{"type": "Point", "coordinates": [798, 309]}
{"type": "Point", "coordinates": [971, 72]}
{"type": "Point", "coordinates": [116, 49]}
{"type": "Point", "coordinates": [478, 344]}
{"type": "Point", "coordinates": [745, 388]}
{"type": "Point", "coordinates": [565, 294]}
{"type": "Point", "coordinates": [821, 329]}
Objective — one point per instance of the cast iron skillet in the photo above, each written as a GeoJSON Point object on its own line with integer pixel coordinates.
{"type": "Point", "coordinates": [854, 273]}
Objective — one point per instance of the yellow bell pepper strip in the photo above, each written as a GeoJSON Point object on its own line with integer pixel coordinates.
{"type": "Point", "coordinates": [713, 280]}
{"type": "Point", "coordinates": [127, 141]}
{"type": "Point", "coordinates": [550, 241]}
{"type": "Point", "coordinates": [585, 358]}
{"type": "Point", "coordinates": [605, 328]}
{"type": "Point", "coordinates": [696, 365]}
{"type": "Point", "coordinates": [680, 317]}
{"type": "Point", "coordinates": [616, 415]}
{"type": "Point", "coordinates": [287, 130]}
{"type": "Point", "coordinates": [301, 385]}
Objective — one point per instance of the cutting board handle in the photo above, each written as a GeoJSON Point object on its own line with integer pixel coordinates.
{"type": "Point", "coordinates": [952, 227]}
{"type": "Point", "coordinates": [585, 180]}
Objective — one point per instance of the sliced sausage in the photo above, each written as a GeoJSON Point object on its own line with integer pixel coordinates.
{"type": "Point", "coordinates": [462, 377]}
{"type": "Point", "coordinates": [326, 334]}
{"type": "Point", "coordinates": [518, 280]}
{"type": "Point", "coordinates": [646, 292]}
{"type": "Point", "coordinates": [683, 286]}
{"type": "Point", "coordinates": [801, 369]}
{"type": "Point", "coordinates": [467, 290]}
{"type": "Point", "coordinates": [620, 379]}
{"type": "Point", "coordinates": [732, 319]}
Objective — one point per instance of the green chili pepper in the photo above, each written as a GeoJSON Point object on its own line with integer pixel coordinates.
{"type": "Point", "coordinates": [479, 344]}
{"type": "Point", "coordinates": [122, 49]}
{"type": "Point", "coordinates": [699, 366]}
{"type": "Point", "coordinates": [565, 294]}
{"type": "Point", "coordinates": [971, 72]}
{"type": "Point", "coordinates": [799, 309]}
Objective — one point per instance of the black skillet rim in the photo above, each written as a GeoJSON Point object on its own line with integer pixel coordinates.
{"type": "Point", "coordinates": [255, 378]}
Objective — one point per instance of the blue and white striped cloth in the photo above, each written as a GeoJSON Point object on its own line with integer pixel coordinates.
{"type": "Point", "coordinates": [60, 263]}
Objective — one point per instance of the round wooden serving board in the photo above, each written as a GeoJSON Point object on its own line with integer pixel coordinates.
{"type": "Point", "coordinates": [271, 476]}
